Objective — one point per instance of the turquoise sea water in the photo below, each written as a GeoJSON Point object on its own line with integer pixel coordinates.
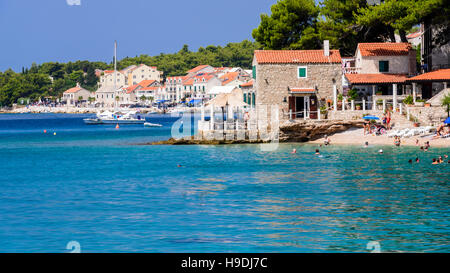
{"type": "Point", "coordinates": [90, 184]}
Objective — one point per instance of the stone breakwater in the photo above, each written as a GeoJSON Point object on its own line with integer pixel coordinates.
{"type": "Point", "coordinates": [303, 131]}
{"type": "Point", "coordinates": [292, 131]}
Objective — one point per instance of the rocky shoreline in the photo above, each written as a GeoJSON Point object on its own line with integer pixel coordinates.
{"type": "Point", "coordinates": [303, 131]}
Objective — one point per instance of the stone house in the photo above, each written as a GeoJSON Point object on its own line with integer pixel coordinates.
{"type": "Point", "coordinates": [380, 71]}
{"type": "Point", "coordinates": [142, 72]}
{"type": "Point", "coordinates": [72, 96]}
{"type": "Point", "coordinates": [298, 81]}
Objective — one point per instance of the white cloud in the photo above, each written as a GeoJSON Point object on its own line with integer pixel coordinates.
{"type": "Point", "coordinates": [73, 2]}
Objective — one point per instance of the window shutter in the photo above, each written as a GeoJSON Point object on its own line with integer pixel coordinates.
{"type": "Point", "coordinates": [254, 72]}
{"type": "Point", "coordinates": [302, 72]}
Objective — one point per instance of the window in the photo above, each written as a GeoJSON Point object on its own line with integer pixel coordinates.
{"type": "Point", "coordinates": [302, 72]}
{"type": "Point", "coordinates": [254, 72]}
{"type": "Point", "coordinates": [384, 66]}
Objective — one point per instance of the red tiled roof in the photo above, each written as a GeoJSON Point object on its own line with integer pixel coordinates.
{"type": "Point", "coordinates": [375, 78]}
{"type": "Point", "coordinates": [151, 88]}
{"type": "Point", "coordinates": [132, 88]}
{"type": "Point", "coordinates": [229, 77]}
{"type": "Point", "coordinates": [73, 90]}
{"type": "Point", "coordinates": [108, 71]}
{"type": "Point", "coordinates": [303, 90]}
{"type": "Point", "coordinates": [146, 83]}
{"type": "Point", "coordinates": [413, 35]}
{"type": "Point", "coordinates": [198, 68]}
{"type": "Point", "coordinates": [189, 81]}
{"type": "Point", "coordinates": [296, 56]}
{"type": "Point", "coordinates": [384, 49]}
{"type": "Point", "coordinates": [247, 84]}
{"type": "Point", "coordinates": [438, 75]}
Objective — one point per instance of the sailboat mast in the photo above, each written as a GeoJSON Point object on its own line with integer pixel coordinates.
{"type": "Point", "coordinates": [115, 73]}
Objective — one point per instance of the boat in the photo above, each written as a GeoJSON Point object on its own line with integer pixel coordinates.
{"type": "Point", "coordinates": [149, 124]}
{"type": "Point", "coordinates": [131, 117]}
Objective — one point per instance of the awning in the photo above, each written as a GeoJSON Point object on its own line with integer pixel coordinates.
{"type": "Point", "coordinates": [371, 79]}
{"type": "Point", "coordinates": [441, 75]}
{"type": "Point", "coordinates": [195, 101]}
{"type": "Point", "coordinates": [297, 90]}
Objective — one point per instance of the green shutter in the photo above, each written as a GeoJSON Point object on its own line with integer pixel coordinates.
{"type": "Point", "coordinates": [245, 97]}
{"type": "Point", "coordinates": [253, 98]}
{"type": "Point", "coordinates": [302, 72]}
{"type": "Point", "coordinates": [254, 72]}
{"type": "Point", "coordinates": [384, 66]}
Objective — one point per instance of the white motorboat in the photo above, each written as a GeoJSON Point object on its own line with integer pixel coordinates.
{"type": "Point", "coordinates": [149, 124]}
{"type": "Point", "coordinates": [131, 117]}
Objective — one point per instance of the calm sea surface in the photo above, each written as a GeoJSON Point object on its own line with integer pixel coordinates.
{"type": "Point", "coordinates": [90, 184]}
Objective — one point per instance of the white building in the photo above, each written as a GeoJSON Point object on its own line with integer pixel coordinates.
{"type": "Point", "coordinates": [76, 95]}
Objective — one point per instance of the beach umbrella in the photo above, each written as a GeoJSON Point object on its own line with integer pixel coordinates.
{"type": "Point", "coordinates": [447, 121]}
{"type": "Point", "coordinates": [371, 118]}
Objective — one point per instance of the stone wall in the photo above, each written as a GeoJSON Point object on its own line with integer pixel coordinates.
{"type": "Point", "coordinates": [352, 115]}
{"type": "Point", "coordinates": [273, 80]}
{"type": "Point", "coordinates": [428, 115]}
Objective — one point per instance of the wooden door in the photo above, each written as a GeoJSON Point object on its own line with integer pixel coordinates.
{"type": "Point", "coordinates": [313, 107]}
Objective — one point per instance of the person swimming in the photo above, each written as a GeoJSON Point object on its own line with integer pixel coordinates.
{"type": "Point", "coordinates": [410, 161]}
{"type": "Point", "coordinates": [366, 144]}
{"type": "Point", "coordinates": [317, 152]}
{"type": "Point", "coordinates": [417, 160]}
{"type": "Point", "coordinates": [397, 141]}
{"type": "Point", "coordinates": [440, 160]}
{"type": "Point", "coordinates": [435, 162]}
{"type": "Point", "coordinates": [380, 151]}
{"type": "Point", "coordinates": [294, 151]}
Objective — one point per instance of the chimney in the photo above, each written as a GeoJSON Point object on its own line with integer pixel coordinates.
{"type": "Point", "coordinates": [78, 84]}
{"type": "Point", "coordinates": [326, 48]}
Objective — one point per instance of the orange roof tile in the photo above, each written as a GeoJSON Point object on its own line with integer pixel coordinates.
{"type": "Point", "coordinates": [198, 68]}
{"type": "Point", "coordinates": [189, 81]}
{"type": "Point", "coordinates": [132, 88]}
{"type": "Point", "coordinates": [296, 56]}
{"type": "Point", "coordinates": [229, 77]}
{"type": "Point", "coordinates": [151, 88]}
{"type": "Point", "coordinates": [384, 49]}
{"type": "Point", "coordinates": [146, 83]}
{"type": "Point", "coordinates": [438, 75]}
{"type": "Point", "coordinates": [247, 84]}
{"type": "Point", "coordinates": [375, 78]}
{"type": "Point", "coordinates": [302, 90]}
{"type": "Point", "coordinates": [73, 90]}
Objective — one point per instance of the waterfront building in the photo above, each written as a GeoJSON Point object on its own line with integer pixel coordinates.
{"type": "Point", "coordinates": [296, 80]}
{"type": "Point", "coordinates": [107, 79]}
{"type": "Point", "coordinates": [202, 84]}
{"type": "Point", "coordinates": [142, 72]}
{"type": "Point", "coordinates": [379, 71]}
{"type": "Point", "coordinates": [175, 88]}
{"type": "Point", "coordinates": [76, 95]}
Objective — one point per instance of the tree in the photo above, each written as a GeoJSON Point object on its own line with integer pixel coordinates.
{"type": "Point", "coordinates": [402, 15]}
{"type": "Point", "coordinates": [446, 102]}
{"type": "Point", "coordinates": [284, 28]}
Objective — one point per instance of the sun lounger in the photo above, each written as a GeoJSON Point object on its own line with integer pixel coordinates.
{"type": "Point", "coordinates": [393, 133]}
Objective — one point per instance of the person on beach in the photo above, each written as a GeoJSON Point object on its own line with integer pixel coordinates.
{"type": "Point", "coordinates": [317, 152]}
{"type": "Point", "coordinates": [326, 141]}
{"type": "Point", "coordinates": [427, 145]}
{"type": "Point", "coordinates": [417, 142]}
{"type": "Point", "coordinates": [366, 144]}
{"type": "Point", "coordinates": [388, 120]}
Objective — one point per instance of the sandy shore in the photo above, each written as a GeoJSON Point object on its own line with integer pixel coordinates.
{"type": "Point", "coordinates": [356, 137]}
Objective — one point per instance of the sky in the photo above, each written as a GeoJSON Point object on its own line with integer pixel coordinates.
{"type": "Point", "coordinates": [69, 30]}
